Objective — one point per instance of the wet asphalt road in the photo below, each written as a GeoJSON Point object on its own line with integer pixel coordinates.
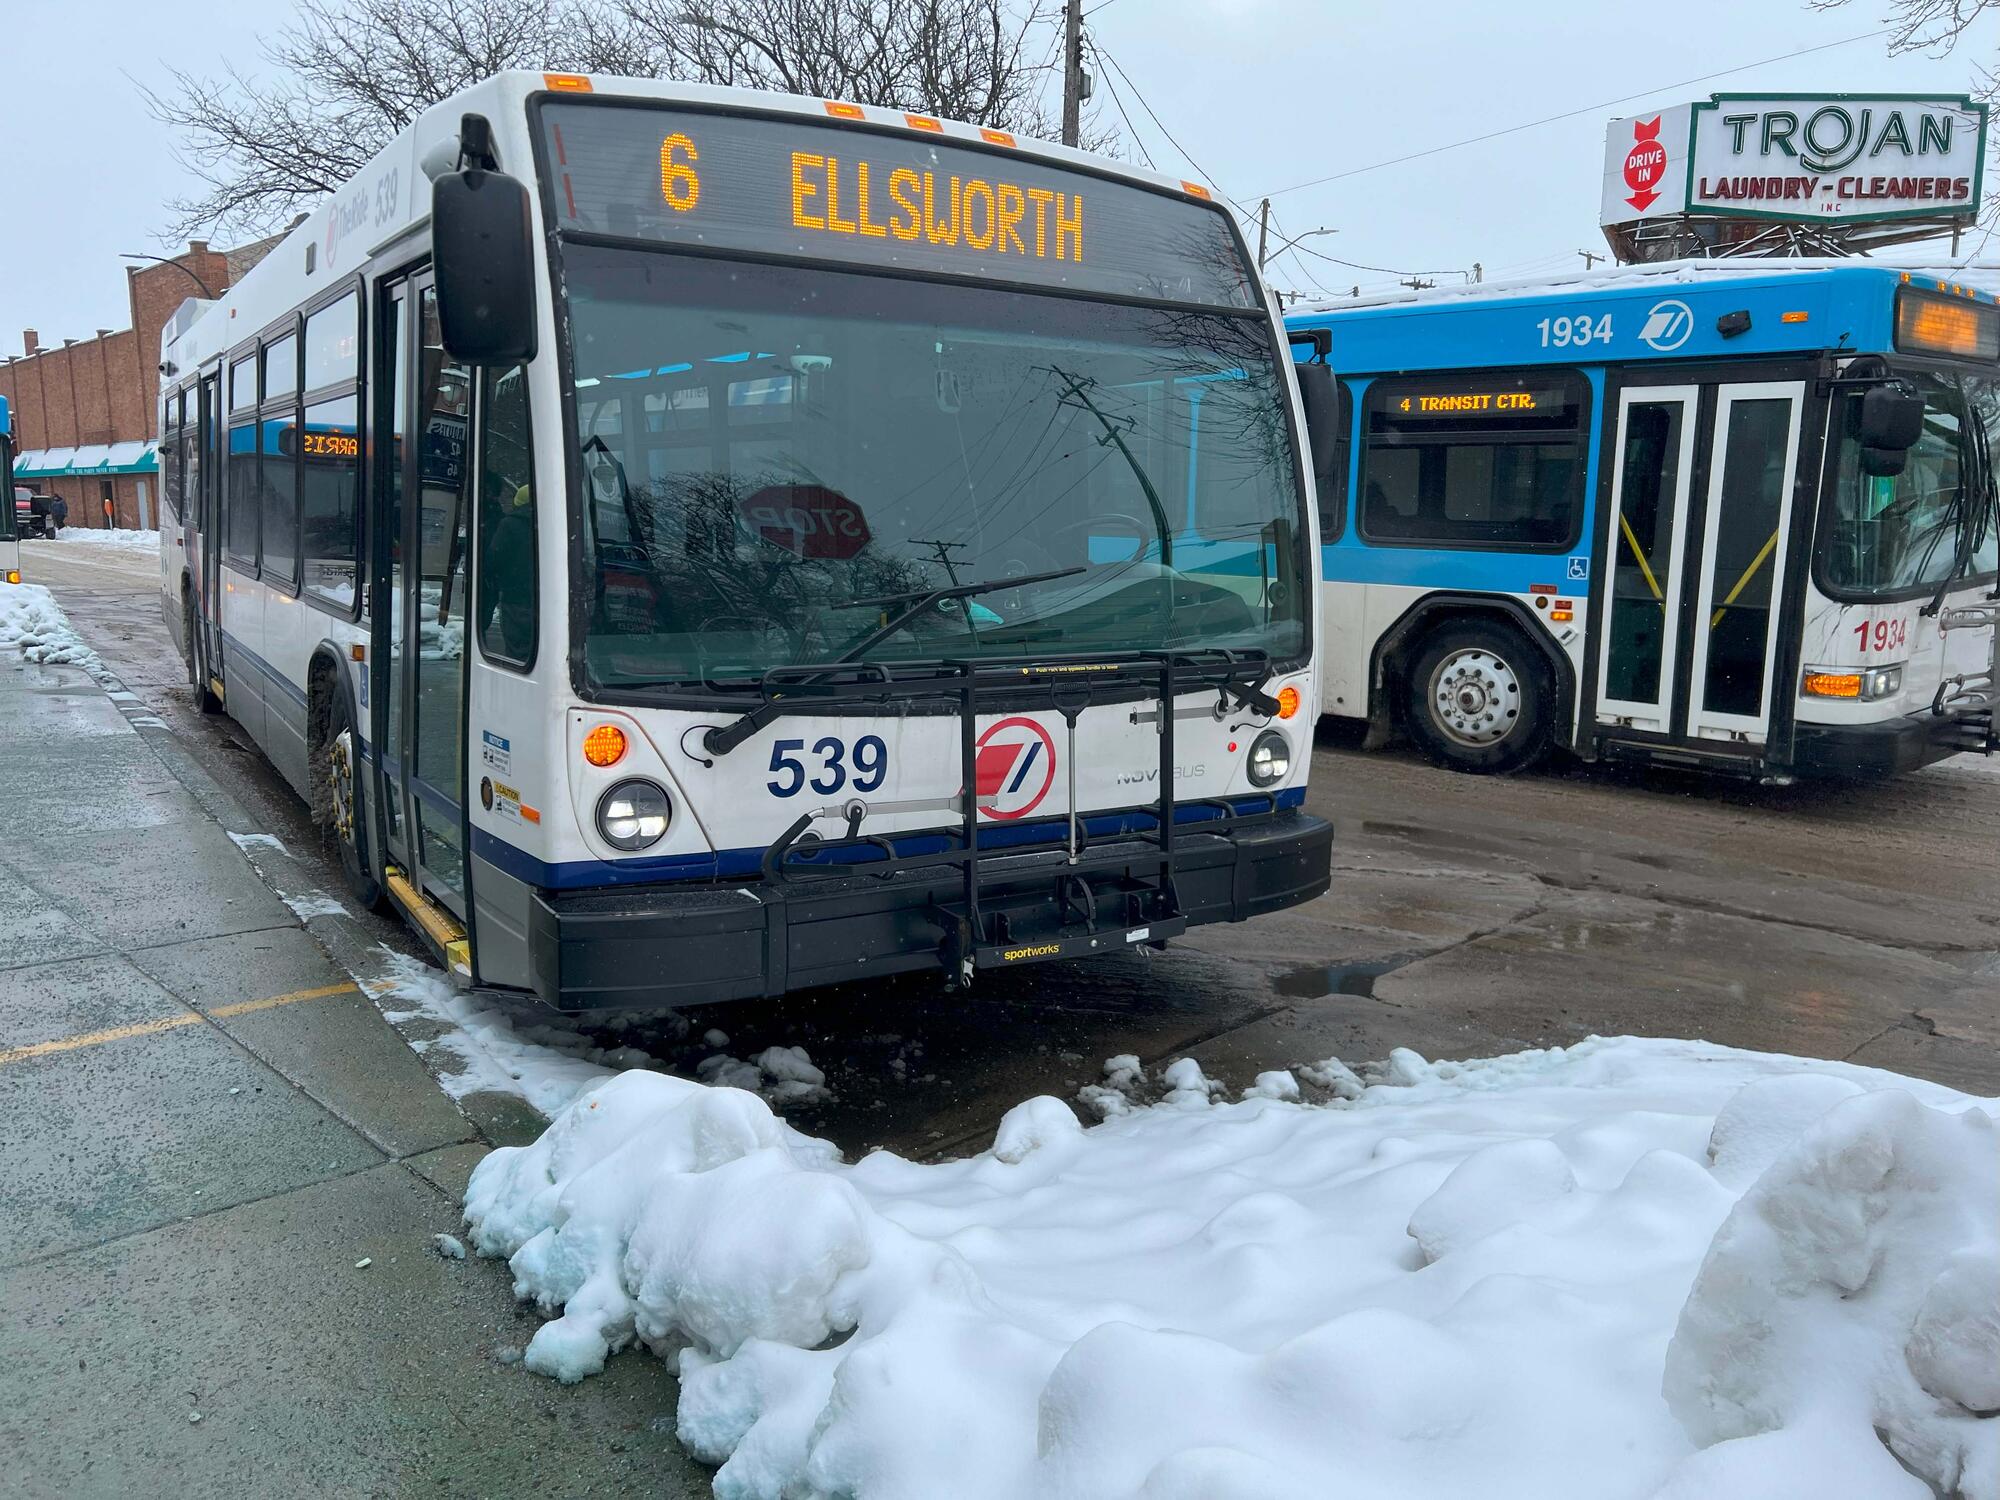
{"type": "Point", "coordinates": [1468, 916]}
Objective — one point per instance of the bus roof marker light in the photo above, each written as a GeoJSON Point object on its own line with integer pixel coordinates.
{"type": "Point", "coordinates": [922, 122]}
{"type": "Point", "coordinates": [996, 137]}
{"type": "Point", "coordinates": [844, 111]}
{"type": "Point", "coordinates": [1196, 190]}
{"type": "Point", "coordinates": [566, 83]}
{"type": "Point", "coordinates": [604, 746]}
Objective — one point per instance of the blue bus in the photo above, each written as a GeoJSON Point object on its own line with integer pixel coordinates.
{"type": "Point", "coordinates": [1726, 516]}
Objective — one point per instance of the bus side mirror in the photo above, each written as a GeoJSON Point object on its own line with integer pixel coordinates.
{"type": "Point", "coordinates": [482, 243]}
{"type": "Point", "coordinates": [1322, 403]}
{"type": "Point", "coordinates": [1884, 463]}
{"type": "Point", "coordinates": [1892, 417]}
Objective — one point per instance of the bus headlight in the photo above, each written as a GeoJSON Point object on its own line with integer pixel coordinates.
{"type": "Point", "coordinates": [1270, 758]}
{"type": "Point", "coordinates": [1867, 684]}
{"type": "Point", "coordinates": [634, 815]}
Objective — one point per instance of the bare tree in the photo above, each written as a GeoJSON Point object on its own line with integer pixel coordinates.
{"type": "Point", "coordinates": [964, 59]}
{"type": "Point", "coordinates": [347, 75]}
{"type": "Point", "coordinates": [1926, 25]}
{"type": "Point", "coordinates": [1937, 27]}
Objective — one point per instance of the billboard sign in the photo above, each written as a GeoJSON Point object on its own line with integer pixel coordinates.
{"type": "Point", "coordinates": [1804, 158]}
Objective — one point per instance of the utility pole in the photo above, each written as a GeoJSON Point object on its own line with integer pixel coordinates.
{"type": "Point", "coordinates": [1592, 257]}
{"type": "Point", "coordinates": [1417, 284]}
{"type": "Point", "coordinates": [1073, 84]}
{"type": "Point", "coordinates": [1263, 231]}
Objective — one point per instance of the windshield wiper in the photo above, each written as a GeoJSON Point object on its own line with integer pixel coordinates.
{"type": "Point", "coordinates": [1975, 507]}
{"type": "Point", "coordinates": [919, 600]}
{"type": "Point", "coordinates": [724, 738]}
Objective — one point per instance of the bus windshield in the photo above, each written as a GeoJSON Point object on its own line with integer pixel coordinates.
{"type": "Point", "coordinates": [1900, 535]}
{"type": "Point", "coordinates": [780, 465]}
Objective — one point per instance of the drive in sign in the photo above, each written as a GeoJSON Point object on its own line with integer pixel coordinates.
{"type": "Point", "coordinates": [1807, 158]}
{"type": "Point", "coordinates": [807, 519]}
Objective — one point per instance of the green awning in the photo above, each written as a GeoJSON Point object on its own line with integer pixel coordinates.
{"type": "Point", "coordinates": [132, 457]}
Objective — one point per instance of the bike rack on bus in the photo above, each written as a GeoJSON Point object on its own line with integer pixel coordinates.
{"type": "Point", "coordinates": [1143, 911]}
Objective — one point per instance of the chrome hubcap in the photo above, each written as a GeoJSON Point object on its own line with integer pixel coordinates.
{"type": "Point", "coordinates": [1475, 697]}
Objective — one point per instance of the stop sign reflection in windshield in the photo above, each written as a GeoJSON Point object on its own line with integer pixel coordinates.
{"type": "Point", "coordinates": [807, 519]}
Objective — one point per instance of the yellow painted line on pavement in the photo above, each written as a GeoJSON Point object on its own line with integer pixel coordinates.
{"type": "Point", "coordinates": [169, 1023]}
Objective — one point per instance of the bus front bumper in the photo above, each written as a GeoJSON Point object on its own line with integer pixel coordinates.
{"type": "Point", "coordinates": [673, 945]}
{"type": "Point", "coordinates": [1894, 746]}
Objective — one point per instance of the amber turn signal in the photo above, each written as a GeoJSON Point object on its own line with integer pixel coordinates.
{"type": "Point", "coordinates": [604, 745]}
{"type": "Point", "coordinates": [1288, 701]}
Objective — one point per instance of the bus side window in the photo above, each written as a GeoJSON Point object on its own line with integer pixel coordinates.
{"type": "Point", "coordinates": [507, 594]}
{"type": "Point", "coordinates": [240, 471]}
{"type": "Point", "coordinates": [1479, 459]}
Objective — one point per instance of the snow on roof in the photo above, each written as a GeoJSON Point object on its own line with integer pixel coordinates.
{"type": "Point", "coordinates": [1984, 275]}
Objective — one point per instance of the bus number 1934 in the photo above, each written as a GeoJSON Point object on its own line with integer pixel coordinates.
{"type": "Point", "coordinates": [1574, 333]}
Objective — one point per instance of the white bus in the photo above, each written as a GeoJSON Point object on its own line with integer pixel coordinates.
{"type": "Point", "coordinates": [690, 544]}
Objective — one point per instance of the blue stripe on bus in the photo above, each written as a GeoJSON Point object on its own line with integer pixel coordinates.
{"type": "Point", "coordinates": [728, 864]}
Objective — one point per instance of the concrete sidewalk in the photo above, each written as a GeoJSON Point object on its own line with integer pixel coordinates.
{"type": "Point", "coordinates": [205, 1126]}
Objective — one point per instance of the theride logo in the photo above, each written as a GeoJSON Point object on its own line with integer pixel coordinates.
{"type": "Point", "coordinates": [1014, 767]}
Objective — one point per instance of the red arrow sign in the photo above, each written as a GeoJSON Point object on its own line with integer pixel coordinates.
{"type": "Point", "coordinates": [1645, 163]}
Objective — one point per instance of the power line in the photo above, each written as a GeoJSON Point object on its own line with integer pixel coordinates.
{"type": "Point", "coordinates": [1099, 55]}
{"type": "Point", "coordinates": [1569, 114]}
{"type": "Point", "coordinates": [1111, 63]}
{"type": "Point", "coordinates": [1355, 265]}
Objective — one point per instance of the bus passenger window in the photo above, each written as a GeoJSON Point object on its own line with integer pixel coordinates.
{"type": "Point", "coordinates": [1480, 460]}
{"type": "Point", "coordinates": [507, 594]}
{"type": "Point", "coordinates": [280, 490]}
{"type": "Point", "coordinates": [240, 474]}
{"type": "Point", "coordinates": [330, 489]}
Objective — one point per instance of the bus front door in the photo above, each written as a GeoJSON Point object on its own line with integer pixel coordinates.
{"type": "Point", "coordinates": [1696, 554]}
{"type": "Point", "coordinates": [421, 631]}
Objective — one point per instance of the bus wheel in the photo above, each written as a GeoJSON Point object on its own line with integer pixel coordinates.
{"type": "Point", "coordinates": [349, 823]}
{"type": "Point", "coordinates": [1480, 698]}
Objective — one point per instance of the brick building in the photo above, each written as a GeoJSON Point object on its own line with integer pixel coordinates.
{"type": "Point", "coordinates": [86, 412]}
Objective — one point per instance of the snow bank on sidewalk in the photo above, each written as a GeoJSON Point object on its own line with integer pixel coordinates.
{"type": "Point", "coordinates": [124, 538]}
{"type": "Point", "coordinates": [1466, 1281]}
{"type": "Point", "coordinates": [32, 623]}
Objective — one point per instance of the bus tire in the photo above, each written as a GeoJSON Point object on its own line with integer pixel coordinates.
{"type": "Point", "coordinates": [1480, 698]}
{"type": "Point", "coordinates": [348, 816]}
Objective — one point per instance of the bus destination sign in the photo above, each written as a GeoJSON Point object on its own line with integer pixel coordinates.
{"type": "Point", "coordinates": [918, 203]}
{"type": "Point", "coordinates": [1484, 402]}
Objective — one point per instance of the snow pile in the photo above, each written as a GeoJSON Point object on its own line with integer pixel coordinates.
{"type": "Point", "coordinates": [32, 623]}
{"type": "Point", "coordinates": [494, 1051]}
{"type": "Point", "coordinates": [786, 1074]}
{"type": "Point", "coordinates": [123, 538]}
{"type": "Point", "coordinates": [1855, 1288]}
{"type": "Point", "coordinates": [1462, 1282]}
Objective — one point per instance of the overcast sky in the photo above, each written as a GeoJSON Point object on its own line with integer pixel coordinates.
{"type": "Point", "coordinates": [1264, 93]}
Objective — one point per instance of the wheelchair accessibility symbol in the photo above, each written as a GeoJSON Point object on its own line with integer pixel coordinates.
{"type": "Point", "coordinates": [1579, 569]}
